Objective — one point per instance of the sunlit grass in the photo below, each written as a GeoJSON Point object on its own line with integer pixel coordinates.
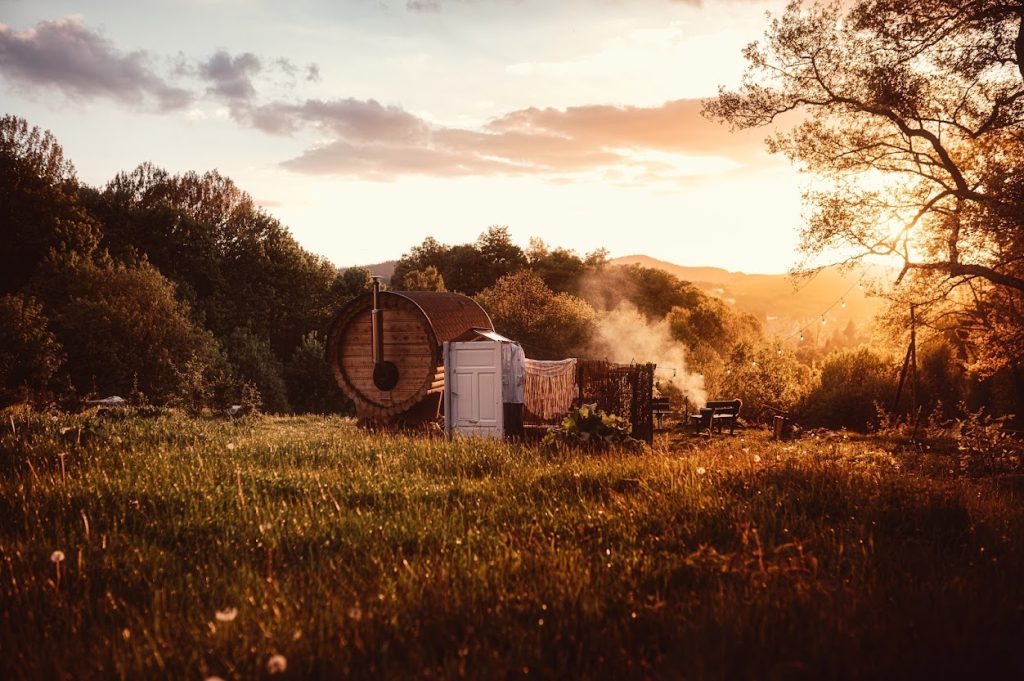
{"type": "Point", "coordinates": [194, 548]}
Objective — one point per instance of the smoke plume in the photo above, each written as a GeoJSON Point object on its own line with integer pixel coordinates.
{"type": "Point", "coordinates": [625, 336]}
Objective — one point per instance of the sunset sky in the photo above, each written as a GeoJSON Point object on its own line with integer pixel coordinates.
{"type": "Point", "coordinates": [366, 125]}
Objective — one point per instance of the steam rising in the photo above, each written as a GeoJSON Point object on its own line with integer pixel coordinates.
{"type": "Point", "coordinates": [624, 336]}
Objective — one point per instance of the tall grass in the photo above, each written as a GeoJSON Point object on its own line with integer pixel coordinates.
{"type": "Point", "coordinates": [377, 555]}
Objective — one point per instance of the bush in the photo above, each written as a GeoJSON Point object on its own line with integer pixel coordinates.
{"type": "Point", "coordinates": [254, 361]}
{"type": "Point", "coordinates": [121, 325]}
{"type": "Point", "coordinates": [30, 355]}
{"type": "Point", "coordinates": [767, 380]}
{"type": "Point", "coordinates": [311, 386]}
{"type": "Point", "coordinates": [593, 429]}
{"type": "Point", "coordinates": [851, 384]}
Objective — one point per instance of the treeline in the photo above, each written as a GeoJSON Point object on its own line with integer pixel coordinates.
{"type": "Point", "coordinates": [178, 289]}
{"type": "Point", "coordinates": [168, 288]}
{"type": "Point", "coordinates": [559, 304]}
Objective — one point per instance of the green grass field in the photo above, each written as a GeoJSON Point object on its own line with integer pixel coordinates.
{"type": "Point", "coordinates": [203, 548]}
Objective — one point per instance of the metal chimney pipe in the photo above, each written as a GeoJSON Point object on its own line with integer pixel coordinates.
{"type": "Point", "coordinates": [385, 374]}
{"type": "Point", "coordinates": [377, 320]}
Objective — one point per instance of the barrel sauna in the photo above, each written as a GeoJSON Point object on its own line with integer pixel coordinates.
{"type": "Point", "coordinates": [384, 349]}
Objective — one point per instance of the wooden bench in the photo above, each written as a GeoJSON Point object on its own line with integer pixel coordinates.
{"type": "Point", "coordinates": [660, 408]}
{"type": "Point", "coordinates": [715, 415]}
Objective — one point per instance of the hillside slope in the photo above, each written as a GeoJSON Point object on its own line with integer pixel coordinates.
{"type": "Point", "coordinates": [785, 304]}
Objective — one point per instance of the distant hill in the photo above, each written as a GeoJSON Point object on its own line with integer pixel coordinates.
{"type": "Point", "coordinates": [783, 303]}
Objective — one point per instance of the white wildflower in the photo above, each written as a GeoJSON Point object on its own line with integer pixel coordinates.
{"type": "Point", "coordinates": [57, 556]}
{"type": "Point", "coordinates": [226, 615]}
{"type": "Point", "coordinates": [701, 470]}
{"type": "Point", "coordinates": [757, 458]}
{"type": "Point", "coordinates": [277, 664]}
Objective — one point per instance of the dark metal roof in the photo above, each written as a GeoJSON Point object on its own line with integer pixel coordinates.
{"type": "Point", "coordinates": [450, 314]}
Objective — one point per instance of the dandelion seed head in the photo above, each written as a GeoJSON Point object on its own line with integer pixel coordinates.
{"type": "Point", "coordinates": [226, 615]}
{"type": "Point", "coordinates": [231, 445]}
{"type": "Point", "coordinates": [57, 556]}
{"type": "Point", "coordinates": [757, 458]}
{"type": "Point", "coordinates": [701, 470]}
{"type": "Point", "coordinates": [277, 664]}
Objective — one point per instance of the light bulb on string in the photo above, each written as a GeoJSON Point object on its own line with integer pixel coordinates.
{"type": "Point", "coordinates": [843, 303]}
{"type": "Point", "coordinates": [801, 336]}
{"type": "Point", "coordinates": [823, 320]}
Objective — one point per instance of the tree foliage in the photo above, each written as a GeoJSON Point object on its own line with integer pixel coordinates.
{"type": "Point", "coordinates": [911, 118]}
{"type": "Point", "coordinates": [852, 383]}
{"type": "Point", "coordinates": [311, 386]}
{"type": "Point", "coordinates": [549, 325]}
{"type": "Point", "coordinates": [39, 204]}
{"type": "Point", "coordinates": [465, 268]}
{"type": "Point", "coordinates": [768, 381]}
{"type": "Point", "coordinates": [30, 355]}
{"type": "Point", "coordinates": [427, 279]}
{"type": "Point", "coordinates": [235, 264]}
{"type": "Point", "coordinates": [119, 324]}
{"type": "Point", "coordinates": [253, 360]}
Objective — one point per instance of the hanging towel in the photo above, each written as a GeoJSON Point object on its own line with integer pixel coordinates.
{"type": "Point", "coordinates": [513, 377]}
{"type": "Point", "coordinates": [550, 387]}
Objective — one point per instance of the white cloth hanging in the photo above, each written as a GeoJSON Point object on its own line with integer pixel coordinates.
{"type": "Point", "coordinates": [513, 376]}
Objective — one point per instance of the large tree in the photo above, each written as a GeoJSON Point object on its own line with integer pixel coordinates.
{"type": "Point", "coordinates": [910, 116]}
{"type": "Point", "coordinates": [39, 202]}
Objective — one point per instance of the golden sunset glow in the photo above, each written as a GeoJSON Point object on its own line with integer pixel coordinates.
{"type": "Point", "coordinates": [366, 126]}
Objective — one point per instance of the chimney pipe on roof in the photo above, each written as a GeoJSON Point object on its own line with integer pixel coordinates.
{"type": "Point", "coordinates": [385, 374]}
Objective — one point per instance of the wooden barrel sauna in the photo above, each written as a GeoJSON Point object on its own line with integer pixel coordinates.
{"type": "Point", "coordinates": [403, 380]}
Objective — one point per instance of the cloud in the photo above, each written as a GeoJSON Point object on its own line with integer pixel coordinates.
{"type": "Point", "coordinates": [231, 77]}
{"type": "Point", "coordinates": [361, 121]}
{"type": "Point", "coordinates": [423, 5]}
{"type": "Point", "coordinates": [364, 138]}
{"type": "Point", "coordinates": [81, 63]}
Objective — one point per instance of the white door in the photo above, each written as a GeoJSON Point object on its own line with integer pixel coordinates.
{"type": "Point", "coordinates": [472, 389]}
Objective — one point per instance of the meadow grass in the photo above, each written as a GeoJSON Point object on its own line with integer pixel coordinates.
{"type": "Point", "coordinates": [365, 555]}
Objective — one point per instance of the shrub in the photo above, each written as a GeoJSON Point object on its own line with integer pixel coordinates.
{"type": "Point", "coordinates": [311, 386]}
{"type": "Point", "coordinates": [121, 325]}
{"type": "Point", "coordinates": [254, 361]}
{"type": "Point", "coordinates": [851, 384]}
{"type": "Point", "coordinates": [594, 429]}
{"type": "Point", "coordinates": [768, 381]}
{"type": "Point", "coordinates": [30, 355]}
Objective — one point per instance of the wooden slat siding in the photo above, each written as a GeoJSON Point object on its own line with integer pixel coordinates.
{"type": "Point", "coordinates": [415, 325]}
{"type": "Point", "coordinates": [410, 352]}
